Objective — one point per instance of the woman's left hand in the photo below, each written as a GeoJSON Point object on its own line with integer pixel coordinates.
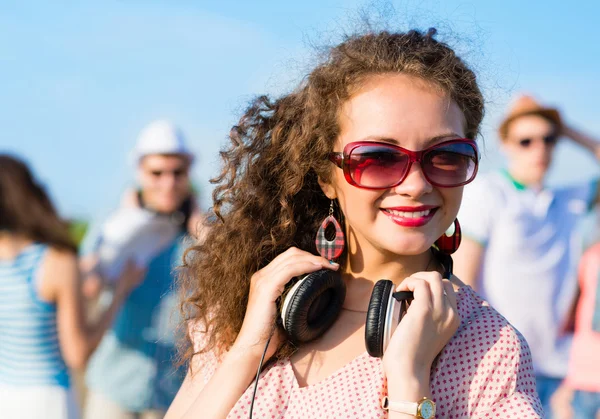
{"type": "Point", "coordinates": [428, 325]}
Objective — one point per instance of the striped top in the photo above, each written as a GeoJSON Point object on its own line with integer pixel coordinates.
{"type": "Point", "coordinates": [29, 347]}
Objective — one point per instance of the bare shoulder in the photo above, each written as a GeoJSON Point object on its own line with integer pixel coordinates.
{"type": "Point", "coordinates": [60, 259]}
{"type": "Point", "coordinates": [59, 271]}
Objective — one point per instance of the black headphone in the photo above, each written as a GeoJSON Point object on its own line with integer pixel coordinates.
{"type": "Point", "coordinates": [313, 302]}
{"type": "Point", "coordinates": [386, 309]}
{"type": "Point", "coordinates": [310, 304]}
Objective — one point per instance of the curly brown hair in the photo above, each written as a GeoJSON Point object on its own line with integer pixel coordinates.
{"type": "Point", "coordinates": [268, 197]}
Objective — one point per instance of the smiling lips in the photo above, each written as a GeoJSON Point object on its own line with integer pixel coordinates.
{"type": "Point", "coordinates": [410, 216]}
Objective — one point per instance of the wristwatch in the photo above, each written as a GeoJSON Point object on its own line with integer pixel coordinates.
{"type": "Point", "coordinates": [425, 409]}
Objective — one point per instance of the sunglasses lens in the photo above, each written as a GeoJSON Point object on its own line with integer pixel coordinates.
{"type": "Point", "coordinates": [450, 165]}
{"type": "Point", "coordinates": [381, 166]}
{"type": "Point", "coordinates": [377, 166]}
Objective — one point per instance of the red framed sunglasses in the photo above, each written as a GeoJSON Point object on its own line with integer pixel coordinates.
{"type": "Point", "coordinates": [375, 165]}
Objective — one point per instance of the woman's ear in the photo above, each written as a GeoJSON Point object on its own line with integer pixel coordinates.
{"type": "Point", "coordinates": [327, 189]}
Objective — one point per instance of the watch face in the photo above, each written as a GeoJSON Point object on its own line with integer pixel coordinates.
{"type": "Point", "coordinates": [427, 409]}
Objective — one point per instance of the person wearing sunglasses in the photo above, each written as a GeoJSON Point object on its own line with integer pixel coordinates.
{"type": "Point", "coordinates": [520, 248]}
{"type": "Point", "coordinates": [132, 374]}
{"type": "Point", "coordinates": [376, 143]}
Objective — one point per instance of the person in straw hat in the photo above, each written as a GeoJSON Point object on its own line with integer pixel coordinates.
{"type": "Point", "coordinates": [520, 236]}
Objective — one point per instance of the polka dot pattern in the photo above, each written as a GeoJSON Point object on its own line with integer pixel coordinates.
{"type": "Point", "coordinates": [485, 371]}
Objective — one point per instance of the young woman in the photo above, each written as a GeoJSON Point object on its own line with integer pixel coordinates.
{"type": "Point", "coordinates": [42, 318]}
{"type": "Point", "coordinates": [381, 137]}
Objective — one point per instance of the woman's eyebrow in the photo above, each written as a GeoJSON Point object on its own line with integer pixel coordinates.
{"type": "Point", "coordinates": [441, 137]}
{"type": "Point", "coordinates": [429, 142]}
{"type": "Point", "coordinates": [382, 140]}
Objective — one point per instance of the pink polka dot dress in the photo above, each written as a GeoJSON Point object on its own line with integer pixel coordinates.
{"type": "Point", "coordinates": [485, 371]}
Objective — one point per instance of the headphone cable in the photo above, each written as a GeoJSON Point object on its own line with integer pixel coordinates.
{"type": "Point", "coordinates": [260, 364]}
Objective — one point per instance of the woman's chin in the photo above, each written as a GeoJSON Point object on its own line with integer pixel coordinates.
{"type": "Point", "coordinates": [410, 247]}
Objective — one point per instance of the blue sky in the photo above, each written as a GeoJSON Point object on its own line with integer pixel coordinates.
{"type": "Point", "coordinates": [79, 81]}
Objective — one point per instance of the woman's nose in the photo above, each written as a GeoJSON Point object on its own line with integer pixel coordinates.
{"type": "Point", "coordinates": [415, 183]}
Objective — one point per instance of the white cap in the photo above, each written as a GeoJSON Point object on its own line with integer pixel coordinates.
{"type": "Point", "coordinates": [160, 137]}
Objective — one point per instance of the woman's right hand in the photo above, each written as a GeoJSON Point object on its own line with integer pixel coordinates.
{"type": "Point", "coordinates": [266, 286]}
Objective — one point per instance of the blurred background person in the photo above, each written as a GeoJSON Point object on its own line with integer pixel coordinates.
{"type": "Point", "coordinates": [579, 396]}
{"type": "Point", "coordinates": [132, 374]}
{"type": "Point", "coordinates": [520, 245]}
{"type": "Point", "coordinates": [42, 321]}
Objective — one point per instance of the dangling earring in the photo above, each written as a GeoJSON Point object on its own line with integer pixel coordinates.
{"type": "Point", "coordinates": [450, 240]}
{"type": "Point", "coordinates": [330, 249]}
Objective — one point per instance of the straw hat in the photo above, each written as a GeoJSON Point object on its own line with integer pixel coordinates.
{"type": "Point", "coordinates": [526, 105]}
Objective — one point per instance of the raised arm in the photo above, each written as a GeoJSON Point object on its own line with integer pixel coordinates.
{"type": "Point", "coordinates": [583, 139]}
{"type": "Point", "coordinates": [61, 283]}
{"type": "Point", "coordinates": [589, 143]}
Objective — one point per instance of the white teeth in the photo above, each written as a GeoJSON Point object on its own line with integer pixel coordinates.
{"type": "Point", "coordinates": [409, 214]}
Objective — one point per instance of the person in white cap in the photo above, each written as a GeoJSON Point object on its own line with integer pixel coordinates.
{"type": "Point", "coordinates": [132, 374]}
{"type": "Point", "coordinates": [163, 162]}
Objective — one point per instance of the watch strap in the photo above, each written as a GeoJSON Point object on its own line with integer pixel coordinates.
{"type": "Point", "coordinates": [409, 408]}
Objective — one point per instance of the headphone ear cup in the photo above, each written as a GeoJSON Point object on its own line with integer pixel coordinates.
{"type": "Point", "coordinates": [376, 317]}
{"type": "Point", "coordinates": [313, 305]}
